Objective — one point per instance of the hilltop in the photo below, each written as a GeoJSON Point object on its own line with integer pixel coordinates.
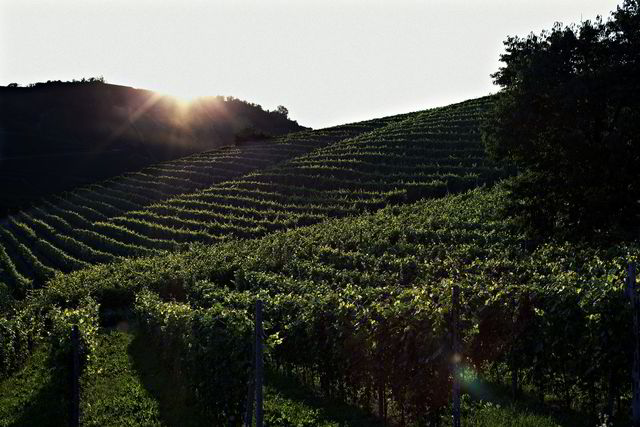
{"type": "Point", "coordinates": [55, 136]}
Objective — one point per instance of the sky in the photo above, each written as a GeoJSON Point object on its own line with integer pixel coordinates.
{"type": "Point", "coordinates": [328, 61]}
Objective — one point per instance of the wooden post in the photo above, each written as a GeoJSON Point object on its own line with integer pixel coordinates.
{"type": "Point", "coordinates": [634, 295]}
{"type": "Point", "coordinates": [248, 415]}
{"type": "Point", "coordinates": [514, 352]}
{"type": "Point", "coordinates": [251, 391]}
{"type": "Point", "coordinates": [514, 383]}
{"type": "Point", "coordinates": [381, 402]}
{"type": "Point", "coordinates": [455, 354]}
{"type": "Point", "coordinates": [259, 366]}
{"type": "Point", "coordinates": [75, 378]}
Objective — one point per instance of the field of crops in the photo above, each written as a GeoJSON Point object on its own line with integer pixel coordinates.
{"type": "Point", "coordinates": [248, 191]}
{"type": "Point", "coordinates": [359, 307]}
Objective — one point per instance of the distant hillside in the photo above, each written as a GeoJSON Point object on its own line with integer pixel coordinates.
{"type": "Point", "coordinates": [57, 135]}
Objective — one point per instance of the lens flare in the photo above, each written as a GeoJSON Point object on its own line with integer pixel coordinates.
{"type": "Point", "coordinates": [472, 383]}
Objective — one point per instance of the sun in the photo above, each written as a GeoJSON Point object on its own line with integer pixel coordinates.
{"type": "Point", "coordinates": [185, 95]}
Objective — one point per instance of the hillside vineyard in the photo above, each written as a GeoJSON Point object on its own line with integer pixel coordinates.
{"type": "Point", "coordinates": [360, 304]}
{"type": "Point", "coordinates": [248, 191]}
{"type": "Point", "coordinates": [357, 304]}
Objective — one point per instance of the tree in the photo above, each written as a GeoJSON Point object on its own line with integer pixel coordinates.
{"type": "Point", "coordinates": [282, 110]}
{"type": "Point", "coordinates": [568, 115]}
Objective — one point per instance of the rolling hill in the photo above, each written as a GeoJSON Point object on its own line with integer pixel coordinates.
{"type": "Point", "coordinates": [55, 136]}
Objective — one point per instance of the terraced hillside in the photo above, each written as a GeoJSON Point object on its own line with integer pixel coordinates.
{"type": "Point", "coordinates": [248, 191]}
{"type": "Point", "coordinates": [62, 233]}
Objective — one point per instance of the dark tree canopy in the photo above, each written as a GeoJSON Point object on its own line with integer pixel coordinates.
{"type": "Point", "coordinates": [282, 110]}
{"type": "Point", "coordinates": [568, 115]}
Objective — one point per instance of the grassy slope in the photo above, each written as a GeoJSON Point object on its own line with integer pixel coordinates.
{"type": "Point", "coordinates": [114, 395]}
{"type": "Point", "coordinates": [36, 395]}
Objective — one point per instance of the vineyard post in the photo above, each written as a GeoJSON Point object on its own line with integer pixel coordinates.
{"type": "Point", "coordinates": [259, 366]}
{"type": "Point", "coordinates": [75, 378]}
{"type": "Point", "coordinates": [634, 295]}
{"type": "Point", "coordinates": [248, 413]}
{"type": "Point", "coordinates": [514, 352]}
{"type": "Point", "coordinates": [455, 303]}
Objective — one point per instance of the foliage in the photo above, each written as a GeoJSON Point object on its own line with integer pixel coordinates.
{"type": "Point", "coordinates": [358, 307]}
{"type": "Point", "coordinates": [85, 316]}
{"type": "Point", "coordinates": [288, 402]}
{"type": "Point", "coordinates": [489, 415]}
{"type": "Point", "coordinates": [19, 333]}
{"type": "Point", "coordinates": [361, 305]}
{"type": "Point", "coordinates": [282, 110]}
{"type": "Point", "coordinates": [50, 83]}
{"type": "Point", "coordinates": [569, 114]}
{"type": "Point", "coordinates": [210, 348]}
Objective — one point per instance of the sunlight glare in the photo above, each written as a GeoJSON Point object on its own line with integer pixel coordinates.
{"type": "Point", "coordinates": [185, 95]}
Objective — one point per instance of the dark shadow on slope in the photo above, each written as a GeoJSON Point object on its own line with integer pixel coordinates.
{"type": "Point", "coordinates": [176, 409]}
{"type": "Point", "coordinates": [501, 394]}
{"type": "Point", "coordinates": [288, 402]}
{"type": "Point", "coordinates": [35, 396]}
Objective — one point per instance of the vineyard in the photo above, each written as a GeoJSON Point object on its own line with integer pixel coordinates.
{"type": "Point", "coordinates": [248, 191]}
{"type": "Point", "coordinates": [353, 237]}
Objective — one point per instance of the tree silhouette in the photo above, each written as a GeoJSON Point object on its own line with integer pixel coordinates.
{"type": "Point", "coordinates": [568, 115]}
{"type": "Point", "coordinates": [281, 109]}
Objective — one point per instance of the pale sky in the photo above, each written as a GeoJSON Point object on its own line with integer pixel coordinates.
{"type": "Point", "coordinates": [328, 61]}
